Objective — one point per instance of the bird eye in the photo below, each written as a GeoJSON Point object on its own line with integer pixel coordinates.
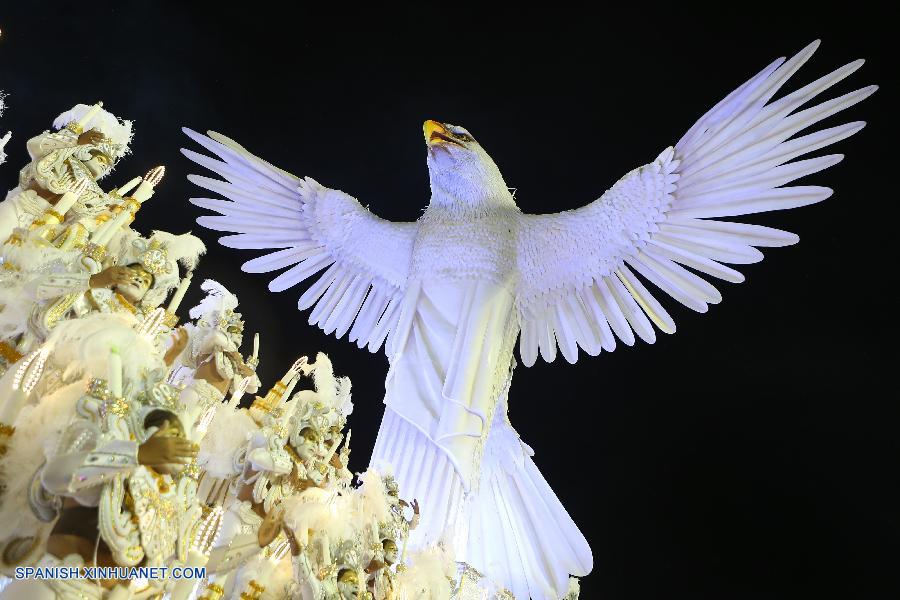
{"type": "Point", "coordinates": [465, 137]}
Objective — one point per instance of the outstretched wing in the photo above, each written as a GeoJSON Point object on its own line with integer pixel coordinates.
{"type": "Point", "coordinates": [578, 268]}
{"type": "Point", "coordinates": [310, 228]}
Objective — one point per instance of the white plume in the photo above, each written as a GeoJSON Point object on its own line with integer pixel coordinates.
{"type": "Point", "coordinates": [81, 347]}
{"type": "Point", "coordinates": [227, 433]}
{"type": "Point", "coordinates": [372, 496]}
{"type": "Point", "coordinates": [321, 512]}
{"type": "Point", "coordinates": [218, 299]}
{"type": "Point", "coordinates": [427, 575]}
{"type": "Point", "coordinates": [184, 248]}
{"type": "Point", "coordinates": [119, 131]}
{"type": "Point", "coordinates": [38, 428]}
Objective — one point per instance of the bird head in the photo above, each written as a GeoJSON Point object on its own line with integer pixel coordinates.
{"type": "Point", "coordinates": [461, 172]}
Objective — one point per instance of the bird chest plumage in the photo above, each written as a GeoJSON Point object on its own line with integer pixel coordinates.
{"type": "Point", "coordinates": [451, 244]}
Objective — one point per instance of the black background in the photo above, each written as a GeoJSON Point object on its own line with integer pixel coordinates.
{"type": "Point", "coordinates": [753, 454]}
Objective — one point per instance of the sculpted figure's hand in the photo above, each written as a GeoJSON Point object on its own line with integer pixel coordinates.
{"type": "Point", "coordinates": [179, 343]}
{"type": "Point", "coordinates": [91, 137]}
{"type": "Point", "coordinates": [112, 276]}
{"type": "Point", "coordinates": [162, 449]}
{"type": "Point", "coordinates": [270, 526]}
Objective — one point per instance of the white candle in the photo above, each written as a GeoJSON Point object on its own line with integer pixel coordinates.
{"type": "Point", "coordinates": [129, 186]}
{"type": "Point", "coordinates": [144, 192]}
{"type": "Point", "coordinates": [102, 238]}
{"type": "Point", "coordinates": [114, 377]}
{"type": "Point", "coordinates": [15, 400]}
{"type": "Point", "coordinates": [101, 231]}
{"type": "Point", "coordinates": [239, 392]}
{"type": "Point", "coordinates": [151, 180]}
{"type": "Point", "coordinates": [180, 292]}
{"type": "Point", "coordinates": [296, 368]}
{"type": "Point", "coordinates": [69, 199]}
{"type": "Point", "coordinates": [289, 390]}
{"type": "Point", "coordinates": [255, 356]}
{"type": "Point", "coordinates": [83, 121]}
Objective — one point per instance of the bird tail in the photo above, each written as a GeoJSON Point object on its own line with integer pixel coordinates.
{"type": "Point", "coordinates": [512, 528]}
{"type": "Point", "coordinates": [519, 533]}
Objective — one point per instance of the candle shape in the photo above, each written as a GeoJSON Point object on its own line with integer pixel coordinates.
{"type": "Point", "coordinates": [294, 370]}
{"type": "Point", "coordinates": [289, 390]}
{"type": "Point", "coordinates": [69, 237]}
{"type": "Point", "coordinates": [151, 180]}
{"type": "Point", "coordinates": [102, 237]}
{"type": "Point", "coordinates": [239, 392]}
{"type": "Point", "coordinates": [78, 127]}
{"type": "Point", "coordinates": [128, 186]}
{"type": "Point", "coordinates": [114, 377]}
{"type": "Point", "coordinates": [69, 199]}
{"type": "Point", "coordinates": [180, 292]}
{"type": "Point", "coordinates": [100, 232]}
{"type": "Point", "coordinates": [254, 358]}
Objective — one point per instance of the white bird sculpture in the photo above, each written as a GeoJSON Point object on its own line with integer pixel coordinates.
{"type": "Point", "coordinates": [449, 294]}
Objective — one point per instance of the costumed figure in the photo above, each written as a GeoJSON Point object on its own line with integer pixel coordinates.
{"type": "Point", "coordinates": [48, 266]}
{"type": "Point", "coordinates": [248, 475]}
{"type": "Point", "coordinates": [86, 144]}
{"type": "Point", "coordinates": [135, 284]}
{"type": "Point", "coordinates": [215, 337]}
{"type": "Point", "coordinates": [112, 489]}
{"type": "Point", "coordinates": [451, 292]}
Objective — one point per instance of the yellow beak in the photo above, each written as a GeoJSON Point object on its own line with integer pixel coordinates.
{"type": "Point", "coordinates": [433, 132]}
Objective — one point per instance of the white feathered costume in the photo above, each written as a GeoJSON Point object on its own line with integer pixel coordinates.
{"type": "Point", "coordinates": [452, 291]}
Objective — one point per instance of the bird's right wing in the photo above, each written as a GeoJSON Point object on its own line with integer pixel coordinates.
{"type": "Point", "coordinates": [579, 269]}
{"type": "Point", "coordinates": [310, 228]}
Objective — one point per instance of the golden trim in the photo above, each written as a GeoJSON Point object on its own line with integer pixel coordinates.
{"type": "Point", "coordinates": [259, 589]}
{"type": "Point", "coordinates": [126, 304]}
{"type": "Point", "coordinates": [8, 353]}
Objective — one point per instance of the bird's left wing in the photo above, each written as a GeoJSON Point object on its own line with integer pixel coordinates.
{"type": "Point", "coordinates": [579, 268]}
{"type": "Point", "coordinates": [310, 228]}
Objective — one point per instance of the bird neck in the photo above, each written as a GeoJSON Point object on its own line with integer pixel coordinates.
{"type": "Point", "coordinates": [447, 203]}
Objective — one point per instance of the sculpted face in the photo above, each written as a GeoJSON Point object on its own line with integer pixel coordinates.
{"type": "Point", "coordinates": [134, 291]}
{"type": "Point", "coordinates": [459, 168]}
{"type": "Point", "coordinates": [99, 165]}
{"type": "Point", "coordinates": [391, 553]}
{"type": "Point", "coordinates": [348, 584]}
{"type": "Point", "coordinates": [307, 444]}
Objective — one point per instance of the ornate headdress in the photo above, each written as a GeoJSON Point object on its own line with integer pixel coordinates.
{"type": "Point", "coordinates": [118, 132]}
{"type": "Point", "coordinates": [217, 309]}
{"type": "Point", "coordinates": [390, 485]}
{"type": "Point", "coordinates": [160, 255]}
{"type": "Point", "coordinates": [347, 554]}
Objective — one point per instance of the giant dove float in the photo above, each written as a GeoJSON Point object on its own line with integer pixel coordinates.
{"type": "Point", "coordinates": [448, 295]}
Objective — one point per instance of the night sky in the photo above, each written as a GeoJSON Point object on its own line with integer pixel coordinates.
{"type": "Point", "coordinates": [752, 455]}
